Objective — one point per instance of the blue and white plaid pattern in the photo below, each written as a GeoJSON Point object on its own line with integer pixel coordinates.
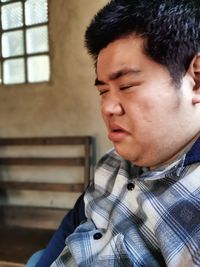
{"type": "Point", "coordinates": [155, 224]}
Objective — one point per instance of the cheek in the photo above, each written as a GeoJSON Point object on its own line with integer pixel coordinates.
{"type": "Point", "coordinates": [144, 116]}
{"type": "Point", "coordinates": [140, 109]}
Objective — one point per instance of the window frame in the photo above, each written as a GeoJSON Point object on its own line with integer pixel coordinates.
{"type": "Point", "coordinates": [25, 55]}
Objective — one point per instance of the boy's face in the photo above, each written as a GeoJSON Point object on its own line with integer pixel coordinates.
{"type": "Point", "coordinates": [148, 119]}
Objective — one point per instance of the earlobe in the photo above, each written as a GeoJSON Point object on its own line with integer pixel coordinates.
{"type": "Point", "coordinates": [194, 71]}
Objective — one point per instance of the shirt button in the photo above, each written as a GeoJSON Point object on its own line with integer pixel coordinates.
{"type": "Point", "coordinates": [130, 186]}
{"type": "Point", "coordinates": [97, 236]}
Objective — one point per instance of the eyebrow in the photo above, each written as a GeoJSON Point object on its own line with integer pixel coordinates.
{"type": "Point", "coordinates": [116, 75]}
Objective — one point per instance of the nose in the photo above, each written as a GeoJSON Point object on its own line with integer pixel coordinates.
{"type": "Point", "coordinates": [112, 106]}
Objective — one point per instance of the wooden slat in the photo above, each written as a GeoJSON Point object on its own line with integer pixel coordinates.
{"type": "Point", "coordinates": [54, 187]}
{"type": "Point", "coordinates": [10, 264]}
{"type": "Point", "coordinates": [88, 152]}
{"type": "Point", "coordinates": [34, 217]}
{"type": "Point", "coordinates": [26, 229]}
{"type": "Point", "coordinates": [69, 140]}
{"type": "Point", "coordinates": [43, 161]}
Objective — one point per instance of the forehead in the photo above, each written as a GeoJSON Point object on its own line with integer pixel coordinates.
{"type": "Point", "coordinates": [128, 54]}
{"type": "Point", "coordinates": [121, 54]}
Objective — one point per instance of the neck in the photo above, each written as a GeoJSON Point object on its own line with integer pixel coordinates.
{"type": "Point", "coordinates": [177, 155]}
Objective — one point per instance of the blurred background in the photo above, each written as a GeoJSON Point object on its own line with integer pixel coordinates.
{"type": "Point", "coordinates": [47, 77]}
{"type": "Point", "coordinates": [46, 90]}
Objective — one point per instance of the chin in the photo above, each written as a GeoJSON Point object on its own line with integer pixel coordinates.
{"type": "Point", "coordinates": [124, 152]}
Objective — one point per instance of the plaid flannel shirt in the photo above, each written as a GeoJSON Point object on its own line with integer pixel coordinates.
{"type": "Point", "coordinates": [139, 218]}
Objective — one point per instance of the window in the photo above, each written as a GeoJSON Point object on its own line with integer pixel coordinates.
{"type": "Point", "coordinates": [24, 47]}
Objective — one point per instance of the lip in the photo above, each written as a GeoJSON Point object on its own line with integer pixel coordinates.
{"type": "Point", "coordinates": [117, 133]}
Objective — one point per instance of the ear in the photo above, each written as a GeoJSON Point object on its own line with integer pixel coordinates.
{"type": "Point", "coordinates": [194, 71]}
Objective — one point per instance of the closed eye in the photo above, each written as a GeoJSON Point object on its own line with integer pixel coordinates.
{"type": "Point", "coordinates": [101, 92]}
{"type": "Point", "coordinates": [129, 86]}
{"type": "Point", "coordinates": [126, 87]}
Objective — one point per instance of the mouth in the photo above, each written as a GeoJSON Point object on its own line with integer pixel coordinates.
{"type": "Point", "coordinates": [117, 133]}
{"type": "Point", "coordinates": [116, 128]}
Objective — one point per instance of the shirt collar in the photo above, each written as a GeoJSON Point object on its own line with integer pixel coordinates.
{"type": "Point", "coordinates": [193, 155]}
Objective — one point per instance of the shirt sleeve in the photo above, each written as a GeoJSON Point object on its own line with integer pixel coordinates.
{"type": "Point", "coordinates": [69, 223]}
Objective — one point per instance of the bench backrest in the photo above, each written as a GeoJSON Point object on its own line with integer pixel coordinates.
{"type": "Point", "coordinates": [41, 177]}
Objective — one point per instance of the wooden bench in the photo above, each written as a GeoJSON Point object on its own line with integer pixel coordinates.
{"type": "Point", "coordinates": [31, 208]}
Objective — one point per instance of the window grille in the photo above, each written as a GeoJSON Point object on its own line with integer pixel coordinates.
{"type": "Point", "coordinates": [24, 46]}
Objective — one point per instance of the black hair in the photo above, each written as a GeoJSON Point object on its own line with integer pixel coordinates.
{"type": "Point", "coordinates": [170, 28]}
